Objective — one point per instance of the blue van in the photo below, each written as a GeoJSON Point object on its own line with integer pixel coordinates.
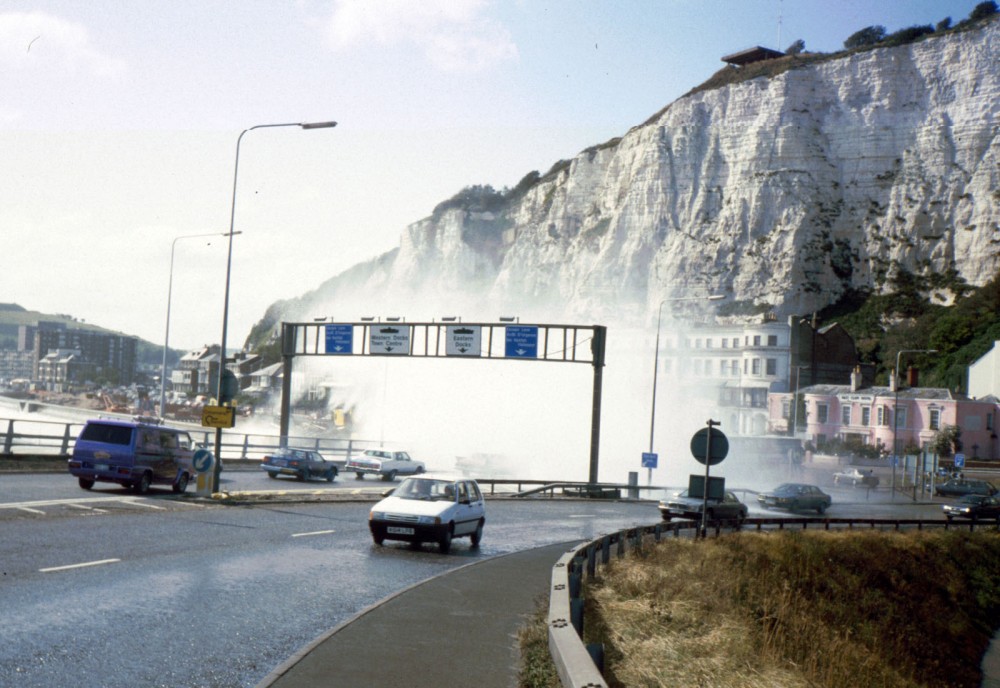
{"type": "Point", "coordinates": [132, 454]}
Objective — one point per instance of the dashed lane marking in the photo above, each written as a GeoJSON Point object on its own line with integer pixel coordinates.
{"type": "Point", "coordinates": [81, 565]}
{"type": "Point", "coordinates": [315, 532]}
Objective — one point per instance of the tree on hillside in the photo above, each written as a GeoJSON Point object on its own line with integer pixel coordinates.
{"type": "Point", "coordinates": [943, 25]}
{"type": "Point", "coordinates": [796, 48]}
{"type": "Point", "coordinates": [983, 10]}
{"type": "Point", "coordinates": [870, 35]}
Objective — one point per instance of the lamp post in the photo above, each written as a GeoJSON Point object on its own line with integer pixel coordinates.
{"type": "Point", "coordinates": [895, 410]}
{"type": "Point", "coordinates": [795, 399]}
{"type": "Point", "coordinates": [656, 365]}
{"type": "Point", "coordinates": [166, 335]}
{"type": "Point", "coordinates": [229, 265]}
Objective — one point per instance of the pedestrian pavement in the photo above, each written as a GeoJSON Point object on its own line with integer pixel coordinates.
{"type": "Point", "coordinates": [458, 628]}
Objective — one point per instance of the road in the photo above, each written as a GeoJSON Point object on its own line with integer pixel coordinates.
{"type": "Point", "coordinates": [108, 588]}
{"type": "Point", "coordinates": [121, 590]}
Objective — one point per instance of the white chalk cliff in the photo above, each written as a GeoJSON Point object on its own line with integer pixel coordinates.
{"type": "Point", "coordinates": [787, 190]}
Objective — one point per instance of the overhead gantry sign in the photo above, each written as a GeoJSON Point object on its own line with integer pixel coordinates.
{"type": "Point", "coordinates": [455, 340]}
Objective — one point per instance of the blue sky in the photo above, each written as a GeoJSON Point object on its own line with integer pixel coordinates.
{"type": "Point", "coordinates": [119, 122]}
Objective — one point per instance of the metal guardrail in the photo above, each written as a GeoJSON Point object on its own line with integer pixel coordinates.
{"type": "Point", "coordinates": [56, 438]}
{"type": "Point", "coordinates": [582, 666]}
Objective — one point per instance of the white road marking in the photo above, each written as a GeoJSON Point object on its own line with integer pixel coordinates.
{"type": "Point", "coordinates": [33, 511]}
{"type": "Point", "coordinates": [582, 516]}
{"type": "Point", "coordinates": [315, 532]}
{"type": "Point", "coordinates": [148, 506]}
{"type": "Point", "coordinates": [78, 566]}
{"type": "Point", "coordinates": [88, 508]}
{"type": "Point", "coordinates": [70, 502]}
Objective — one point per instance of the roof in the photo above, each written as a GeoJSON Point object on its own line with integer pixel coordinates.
{"type": "Point", "coordinates": [934, 393]}
{"type": "Point", "coordinates": [754, 54]}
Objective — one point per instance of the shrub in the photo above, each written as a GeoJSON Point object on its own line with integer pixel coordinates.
{"type": "Point", "coordinates": [870, 35]}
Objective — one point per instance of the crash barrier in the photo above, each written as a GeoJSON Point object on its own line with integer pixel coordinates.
{"type": "Point", "coordinates": [581, 665]}
{"type": "Point", "coordinates": [56, 438]}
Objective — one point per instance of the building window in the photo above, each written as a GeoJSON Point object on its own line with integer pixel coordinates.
{"type": "Point", "coordinates": [724, 368]}
{"type": "Point", "coordinates": [901, 416]}
{"type": "Point", "coordinates": [756, 366]}
{"type": "Point", "coordinates": [845, 415]}
{"type": "Point", "coordinates": [725, 342]}
{"type": "Point", "coordinates": [883, 415]}
{"type": "Point", "coordinates": [935, 420]}
{"type": "Point", "coordinates": [772, 366]}
{"type": "Point", "coordinates": [821, 413]}
{"type": "Point", "coordinates": [708, 367]}
{"type": "Point", "coordinates": [866, 416]}
{"type": "Point", "coordinates": [736, 342]}
{"type": "Point", "coordinates": [708, 343]}
{"type": "Point", "coordinates": [697, 367]}
{"type": "Point", "coordinates": [786, 409]}
{"type": "Point", "coordinates": [772, 340]}
{"type": "Point", "coordinates": [756, 340]}
{"type": "Point", "coordinates": [697, 343]}
{"type": "Point", "coordinates": [736, 367]}
{"type": "Point", "coordinates": [989, 421]}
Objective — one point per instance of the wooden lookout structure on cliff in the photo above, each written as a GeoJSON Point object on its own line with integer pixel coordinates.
{"type": "Point", "coordinates": [751, 55]}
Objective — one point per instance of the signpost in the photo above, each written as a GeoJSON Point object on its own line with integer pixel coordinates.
{"type": "Point", "coordinates": [393, 340]}
{"type": "Point", "coordinates": [204, 462]}
{"type": "Point", "coordinates": [521, 341]}
{"type": "Point", "coordinates": [464, 340]}
{"type": "Point", "coordinates": [218, 417]}
{"type": "Point", "coordinates": [649, 460]}
{"type": "Point", "coordinates": [339, 339]}
{"type": "Point", "coordinates": [708, 446]}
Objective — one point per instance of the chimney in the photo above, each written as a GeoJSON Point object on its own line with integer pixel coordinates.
{"type": "Point", "coordinates": [912, 377]}
{"type": "Point", "coordinates": [856, 379]}
{"type": "Point", "coordinates": [893, 386]}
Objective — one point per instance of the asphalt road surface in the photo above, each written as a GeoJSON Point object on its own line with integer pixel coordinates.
{"type": "Point", "coordinates": [105, 588]}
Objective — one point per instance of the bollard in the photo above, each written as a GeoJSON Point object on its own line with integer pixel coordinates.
{"type": "Point", "coordinates": [633, 485]}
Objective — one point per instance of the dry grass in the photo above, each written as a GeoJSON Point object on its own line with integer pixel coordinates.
{"type": "Point", "coordinates": [849, 609]}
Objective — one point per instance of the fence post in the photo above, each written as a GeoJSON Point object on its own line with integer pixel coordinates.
{"type": "Point", "coordinates": [65, 442]}
{"type": "Point", "coordinates": [246, 446]}
{"type": "Point", "coordinates": [8, 442]}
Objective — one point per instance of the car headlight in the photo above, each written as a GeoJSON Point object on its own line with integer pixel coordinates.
{"type": "Point", "coordinates": [429, 520]}
{"type": "Point", "coordinates": [376, 516]}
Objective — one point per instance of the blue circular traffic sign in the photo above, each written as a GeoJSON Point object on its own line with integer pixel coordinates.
{"type": "Point", "coordinates": [203, 461]}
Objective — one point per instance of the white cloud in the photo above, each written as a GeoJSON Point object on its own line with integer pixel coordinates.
{"type": "Point", "coordinates": [453, 36]}
{"type": "Point", "coordinates": [34, 40]}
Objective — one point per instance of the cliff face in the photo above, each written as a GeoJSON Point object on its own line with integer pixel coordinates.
{"type": "Point", "coordinates": [786, 190]}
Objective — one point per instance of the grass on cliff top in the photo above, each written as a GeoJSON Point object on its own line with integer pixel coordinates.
{"type": "Point", "coordinates": [775, 610]}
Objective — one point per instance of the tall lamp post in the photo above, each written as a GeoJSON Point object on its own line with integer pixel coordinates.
{"type": "Point", "coordinates": [656, 364]}
{"type": "Point", "coordinates": [229, 265]}
{"type": "Point", "coordinates": [166, 335]}
{"type": "Point", "coordinates": [895, 410]}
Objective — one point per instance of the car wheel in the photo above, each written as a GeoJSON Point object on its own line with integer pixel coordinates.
{"type": "Point", "coordinates": [420, 469]}
{"type": "Point", "coordinates": [272, 474]}
{"type": "Point", "coordinates": [478, 534]}
{"type": "Point", "coordinates": [949, 517]}
{"type": "Point", "coordinates": [331, 474]}
{"type": "Point", "coordinates": [389, 477]}
{"type": "Point", "coordinates": [378, 539]}
{"type": "Point", "coordinates": [359, 476]}
{"type": "Point", "coordinates": [820, 509]}
{"type": "Point", "coordinates": [444, 543]}
{"type": "Point", "coordinates": [304, 475]}
{"type": "Point", "coordinates": [141, 486]}
{"type": "Point", "coordinates": [86, 483]}
{"type": "Point", "coordinates": [182, 484]}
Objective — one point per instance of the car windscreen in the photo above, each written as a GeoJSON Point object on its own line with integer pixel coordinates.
{"type": "Point", "coordinates": [426, 489]}
{"type": "Point", "coordinates": [108, 434]}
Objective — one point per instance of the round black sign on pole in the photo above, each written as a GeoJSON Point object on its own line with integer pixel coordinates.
{"type": "Point", "coordinates": [715, 451]}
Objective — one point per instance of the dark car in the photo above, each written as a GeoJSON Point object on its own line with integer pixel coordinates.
{"type": "Point", "coordinates": [796, 497]}
{"type": "Point", "coordinates": [958, 487]}
{"type": "Point", "coordinates": [975, 507]}
{"type": "Point", "coordinates": [302, 464]}
{"type": "Point", "coordinates": [729, 508]}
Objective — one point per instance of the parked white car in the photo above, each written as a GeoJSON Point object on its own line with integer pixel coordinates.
{"type": "Point", "coordinates": [856, 477]}
{"type": "Point", "coordinates": [430, 508]}
{"type": "Point", "coordinates": [384, 463]}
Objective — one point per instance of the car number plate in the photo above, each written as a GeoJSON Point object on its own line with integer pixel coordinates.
{"type": "Point", "coordinates": [396, 530]}
{"type": "Point", "coordinates": [290, 471]}
{"type": "Point", "coordinates": [100, 466]}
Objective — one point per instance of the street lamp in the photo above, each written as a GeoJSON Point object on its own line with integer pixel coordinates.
{"type": "Point", "coordinates": [656, 365]}
{"type": "Point", "coordinates": [166, 335]}
{"type": "Point", "coordinates": [795, 399]}
{"type": "Point", "coordinates": [895, 409]}
{"type": "Point", "coordinates": [229, 265]}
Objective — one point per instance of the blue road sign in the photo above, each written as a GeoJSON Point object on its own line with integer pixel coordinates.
{"type": "Point", "coordinates": [339, 339]}
{"type": "Point", "coordinates": [521, 342]}
{"type": "Point", "coordinates": [202, 460]}
{"type": "Point", "coordinates": [649, 460]}
{"type": "Point", "coordinates": [959, 460]}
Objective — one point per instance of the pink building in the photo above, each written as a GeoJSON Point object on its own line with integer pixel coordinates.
{"type": "Point", "coordinates": [865, 414]}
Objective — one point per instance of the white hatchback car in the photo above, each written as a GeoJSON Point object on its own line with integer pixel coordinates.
{"type": "Point", "coordinates": [430, 508]}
